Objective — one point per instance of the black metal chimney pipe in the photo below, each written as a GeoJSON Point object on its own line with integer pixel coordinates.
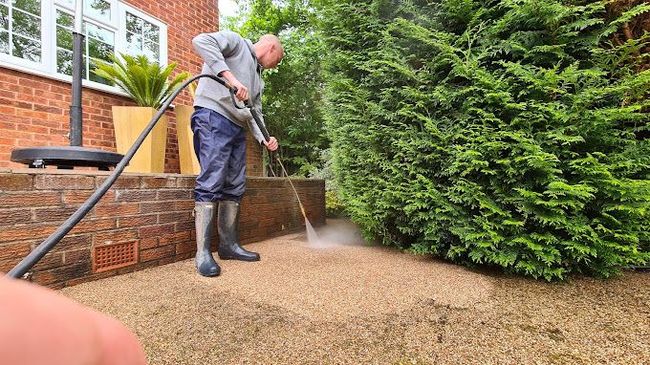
{"type": "Point", "coordinates": [76, 110]}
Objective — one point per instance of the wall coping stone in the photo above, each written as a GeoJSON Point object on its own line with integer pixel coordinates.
{"type": "Point", "coordinates": [29, 171]}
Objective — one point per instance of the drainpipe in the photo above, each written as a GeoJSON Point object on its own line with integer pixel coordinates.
{"type": "Point", "coordinates": [76, 137]}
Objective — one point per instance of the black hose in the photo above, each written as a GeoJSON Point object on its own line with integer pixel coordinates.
{"type": "Point", "coordinates": [41, 250]}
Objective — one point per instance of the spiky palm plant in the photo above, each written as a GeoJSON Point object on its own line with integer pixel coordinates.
{"type": "Point", "coordinates": [146, 82]}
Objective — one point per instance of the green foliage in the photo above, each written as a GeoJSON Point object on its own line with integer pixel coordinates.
{"type": "Point", "coordinates": [510, 133]}
{"type": "Point", "coordinates": [293, 93]}
{"type": "Point", "coordinates": [146, 82]}
{"type": "Point", "coordinates": [334, 207]}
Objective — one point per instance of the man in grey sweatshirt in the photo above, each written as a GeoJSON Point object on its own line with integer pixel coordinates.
{"type": "Point", "coordinates": [220, 137]}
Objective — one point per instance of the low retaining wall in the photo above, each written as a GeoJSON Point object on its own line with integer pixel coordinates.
{"type": "Point", "coordinates": [142, 221]}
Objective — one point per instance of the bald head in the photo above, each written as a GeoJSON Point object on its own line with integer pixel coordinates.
{"type": "Point", "coordinates": [269, 51]}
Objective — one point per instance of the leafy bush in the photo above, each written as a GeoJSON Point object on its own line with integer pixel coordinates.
{"type": "Point", "coordinates": [507, 132]}
{"type": "Point", "coordinates": [146, 82]}
{"type": "Point", "coordinates": [334, 208]}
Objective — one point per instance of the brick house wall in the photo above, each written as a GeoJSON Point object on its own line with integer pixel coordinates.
{"type": "Point", "coordinates": [152, 212]}
{"type": "Point", "coordinates": [34, 110]}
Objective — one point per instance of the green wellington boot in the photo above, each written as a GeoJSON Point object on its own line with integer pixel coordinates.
{"type": "Point", "coordinates": [228, 222]}
{"type": "Point", "coordinates": [204, 219]}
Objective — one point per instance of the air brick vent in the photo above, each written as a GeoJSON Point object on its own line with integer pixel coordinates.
{"type": "Point", "coordinates": [115, 256]}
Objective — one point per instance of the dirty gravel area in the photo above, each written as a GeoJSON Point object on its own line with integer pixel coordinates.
{"type": "Point", "coordinates": [345, 302]}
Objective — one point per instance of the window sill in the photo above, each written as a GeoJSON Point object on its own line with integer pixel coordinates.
{"type": "Point", "coordinates": [67, 79]}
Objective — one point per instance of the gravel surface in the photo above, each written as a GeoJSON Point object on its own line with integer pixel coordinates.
{"type": "Point", "coordinates": [343, 302]}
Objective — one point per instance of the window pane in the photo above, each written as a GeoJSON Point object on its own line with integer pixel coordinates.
{"type": "Point", "coordinates": [64, 38]}
{"type": "Point", "coordinates": [64, 62]}
{"type": "Point", "coordinates": [142, 37]}
{"type": "Point", "coordinates": [4, 42]}
{"type": "Point", "coordinates": [101, 34]}
{"type": "Point", "coordinates": [26, 48]}
{"type": "Point", "coordinates": [27, 25]}
{"type": "Point", "coordinates": [4, 17]}
{"type": "Point", "coordinates": [134, 43]}
{"type": "Point", "coordinates": [94, 77]}
{"type": "Point", "coordinates": [98, 9]}
{"type": "Point", "coordinates": [133, 23]}
{"type": "Point", "coordinates": [31, 6]}
{"type": "Point", "coordinates": [64, 19]}
{"type": "Point", "coordinates": [152, 51]}
{"type": "Point", "coordinates": [69, 3]}
{"type": "Point", "coordinates": [99, 49]}
{"type": "Point", "coordinates": [151, 32]}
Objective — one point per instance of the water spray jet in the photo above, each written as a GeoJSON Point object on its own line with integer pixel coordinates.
{"type": "Point", "coordinates": [312, 236]}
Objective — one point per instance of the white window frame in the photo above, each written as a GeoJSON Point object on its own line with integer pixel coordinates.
{"type": "Point", "coordinates": [137, 12]}
{"type": "Point", "coordinates": [9, 59]}
{"type": "Point", "coordinates": [48, 66]}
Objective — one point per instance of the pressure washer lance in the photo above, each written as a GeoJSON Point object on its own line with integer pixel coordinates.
{"type": "Point", "coordinates": [312, 236]}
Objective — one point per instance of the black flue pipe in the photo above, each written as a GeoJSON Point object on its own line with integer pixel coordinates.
{"type": "Point", "coordinates": [41, 250]}
{"type": "Point", "coordinates": [76, 110]}
{"type": "Point", "coordinates": [76, 133]}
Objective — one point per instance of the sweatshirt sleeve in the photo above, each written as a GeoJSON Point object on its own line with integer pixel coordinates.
{"type": "Point", "coordinates": [214, 48]}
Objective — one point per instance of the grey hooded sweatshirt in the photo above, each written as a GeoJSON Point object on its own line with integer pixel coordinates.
{"type": "Point", "coordinates": [223, 51]}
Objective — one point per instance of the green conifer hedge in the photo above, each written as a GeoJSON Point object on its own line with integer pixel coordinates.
{"type": "Point", "coordinates": [506, 132]}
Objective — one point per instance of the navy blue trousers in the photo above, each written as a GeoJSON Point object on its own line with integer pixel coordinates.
{"type": "Point", "coordinates": [220, 146]}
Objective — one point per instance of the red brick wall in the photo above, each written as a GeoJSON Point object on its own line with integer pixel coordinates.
{"type": "Point", "coordinates": [34, 111]}
{"type": "Point", "coordinates": [155, 211]}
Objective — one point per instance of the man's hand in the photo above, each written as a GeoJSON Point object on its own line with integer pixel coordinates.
{"type": "Point", "coordinates": [40, 326]}
{"type": "Point", "coordinates": [272, 144]}
{"type": "Point", "coordinates": [242, 91]}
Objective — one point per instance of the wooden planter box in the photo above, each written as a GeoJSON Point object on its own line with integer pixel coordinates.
{"type": "Point", "coordinates": [189, 163]}
{"type": "Point", "coordinates": [129, 122]}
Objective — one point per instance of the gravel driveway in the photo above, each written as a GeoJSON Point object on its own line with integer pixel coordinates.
{"type": "Point", "coordinates": [350, 303]}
